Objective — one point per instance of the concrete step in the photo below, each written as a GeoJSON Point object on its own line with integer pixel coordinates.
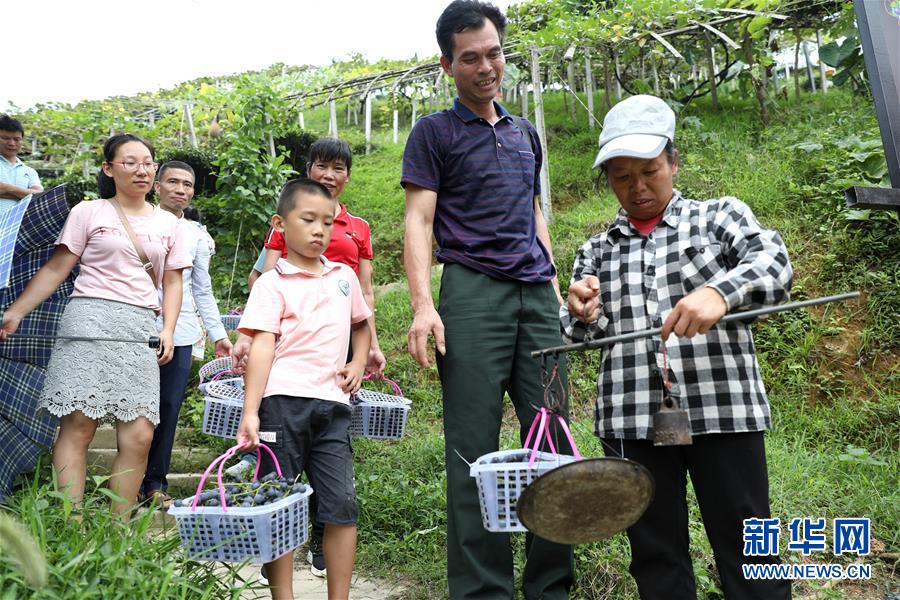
{"type": "Point", "coordinates": [105, 437]}
{"type": "Point", "coordinates": [184, 460]}
{"type": "Point", "coordinates": [182, 485]}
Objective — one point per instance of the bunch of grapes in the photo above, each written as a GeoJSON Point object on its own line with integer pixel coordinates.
{"type": "Point", "coordinates": [246, 494]}
{"type": "Point", "coordinates": [520, 456]}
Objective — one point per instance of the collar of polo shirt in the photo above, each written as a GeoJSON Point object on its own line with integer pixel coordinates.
{"type": "Point", "coordinates": [285, 268]}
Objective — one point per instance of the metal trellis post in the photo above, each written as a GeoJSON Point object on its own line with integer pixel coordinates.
{"type": "Point", "coordinates": [190, 124]}
{"type": "Point", "coordinates": [368, 123]}
{"type": "Point", "coordinates": [524, 100]}
{"type": "Point", "coordinates": [589, 85]}
{"type": "Point", "coordinates": [809, 69]}
{"type": "Point", "coordinates": [823, 84]}
{"type": "Point", "coordinates": [542, 134]}
{"type": "Point", "coordinates": [396, 123]}
{"type": "Point", "coordinates": [332, 123]}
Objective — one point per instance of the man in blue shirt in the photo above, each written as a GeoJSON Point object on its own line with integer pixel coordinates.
{"type": "Point", "coordinates": [471, 176]}
{"type": "Point", "coordinates": [175, 186]}
{"type": "Point", "coordinates": [16, 179]}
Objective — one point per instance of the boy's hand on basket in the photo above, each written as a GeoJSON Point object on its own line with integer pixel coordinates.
{"type": "Point", "coordinates": [239, 353]}
{"type": "Point", "coordinates": [350, 377]}
{"type": "Point", "coordinates": [223, 347]}
{"type": "Point", "coordinates": [248, 432]}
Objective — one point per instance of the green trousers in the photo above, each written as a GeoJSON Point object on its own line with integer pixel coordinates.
{"type": "Point", "coordinates": [491, 327]}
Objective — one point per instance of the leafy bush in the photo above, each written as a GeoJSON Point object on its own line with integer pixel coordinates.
{"type": "Point", "coordinates": [296, 144]}
{"type": "Point", "coordinates": [102, 557]}
{"type": "Point", "coordinates": [248, 184]}
{"type": "Point", "coordinates": [77, 188]}
{"type": "Point", "coordinates": [203, 163]}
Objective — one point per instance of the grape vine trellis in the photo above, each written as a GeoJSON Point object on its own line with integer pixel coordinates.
{"type": "Point", "coordinates": [678, 49]}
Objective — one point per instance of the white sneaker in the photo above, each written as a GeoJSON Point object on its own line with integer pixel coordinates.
{"type": "Point", "coordinates": [318, 571]}
{"type": "Point", "coordinates": [247, 463]}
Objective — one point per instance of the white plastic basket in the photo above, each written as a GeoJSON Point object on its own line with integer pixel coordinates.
{"type": "Point", "coordinates": [224, 407]}
{"type": "Point", "coordinates": [258, 534]}
{"type": "Point", "coordinates": [213, 368]}
{"type": "Point", "coordinates": [231, 378]}
{"type": "Point", "coordinates": [502, 477]}
{"type": "Point", "coordinates": [377, 415]}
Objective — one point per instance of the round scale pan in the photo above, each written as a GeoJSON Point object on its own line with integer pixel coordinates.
{"type": "Point", "coordinates": [586, 501]}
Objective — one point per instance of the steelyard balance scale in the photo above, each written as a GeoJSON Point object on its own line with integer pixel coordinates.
{"type": "Point", "coordinates": [592, 499]}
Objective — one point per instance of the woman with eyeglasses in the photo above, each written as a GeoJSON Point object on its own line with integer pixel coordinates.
{"type": "Point", "coordinates": [126, 248]}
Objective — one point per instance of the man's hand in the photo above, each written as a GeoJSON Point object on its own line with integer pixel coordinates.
{"type": "Point", "coordinates": [239, 353]}
{"type": "Point", "coordinates": [248, 432]}
{"type": "Point", "coordinates": [376, 363]}
{"type": "Point", "coordinates": [695, 313]}
{"type": "Point", "coordinates": [584, 299]}
{"type": "Point", "coordinates": [426, 322]}
{"type": "Point", "coordinates": [223, 347]}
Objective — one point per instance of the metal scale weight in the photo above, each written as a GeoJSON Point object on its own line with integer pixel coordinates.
{"type": "Point", "coordinates": [592, 499]}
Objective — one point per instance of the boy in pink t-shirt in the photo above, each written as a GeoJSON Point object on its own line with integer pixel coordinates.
{"type": "Point", "coordinates": [298, 381]}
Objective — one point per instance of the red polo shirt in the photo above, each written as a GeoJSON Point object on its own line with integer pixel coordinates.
{"type": "Point", "coordinates": [351, 240]}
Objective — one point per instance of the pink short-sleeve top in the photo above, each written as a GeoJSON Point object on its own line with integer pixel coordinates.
{"type": "Point", "coordinates": [311, 315]}
{"type": "Point", "coordinates": [110, 266]}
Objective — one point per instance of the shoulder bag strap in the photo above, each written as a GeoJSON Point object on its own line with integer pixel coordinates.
{"type": "Point", "coordinates": [145, 262]}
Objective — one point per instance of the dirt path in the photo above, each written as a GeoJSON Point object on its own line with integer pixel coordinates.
{"type": "Point", "coordinates": [310, 587]}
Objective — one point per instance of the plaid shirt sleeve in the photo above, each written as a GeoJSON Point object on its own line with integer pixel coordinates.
{"type": "Point", "coordinates": [585, 264]}
{"type": "Point", "coordinates": [715, 375]}
{"type": "Point", "coordinates": [759, 272]}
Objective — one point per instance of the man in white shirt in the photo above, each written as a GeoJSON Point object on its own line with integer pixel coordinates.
{"type": "Point", "coordinates": [175, 186]}
{"type": "Point", "coordinates": [17, 180]}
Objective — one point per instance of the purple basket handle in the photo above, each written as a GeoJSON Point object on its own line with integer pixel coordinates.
{"type": "Point", "coordinates": [221, 460]}
{"type": "Point", "coordinates": [215, 375]}
{"type": "Point", "coordinates": [541, 422]}
{"type": "Point", "coordinates": [394, 384]}
{"type": "Point", "coordinates": [221, 374]}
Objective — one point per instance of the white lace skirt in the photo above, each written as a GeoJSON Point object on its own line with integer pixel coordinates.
{"type": "Point", "coordinates": [106, 381]}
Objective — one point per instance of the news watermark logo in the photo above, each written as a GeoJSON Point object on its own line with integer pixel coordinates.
{"type": "Point", "coordinates": [762, 537]}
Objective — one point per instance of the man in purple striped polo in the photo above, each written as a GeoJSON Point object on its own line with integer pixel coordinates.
{"type": "Point", "coordinates": [471, 175]}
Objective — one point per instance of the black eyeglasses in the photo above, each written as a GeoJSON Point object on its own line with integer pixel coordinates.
{"type": "Point", "coordinates": [132, 166]}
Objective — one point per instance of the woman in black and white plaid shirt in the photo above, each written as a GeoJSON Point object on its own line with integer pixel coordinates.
{"type": "Point", "coordinates": [680, 264]}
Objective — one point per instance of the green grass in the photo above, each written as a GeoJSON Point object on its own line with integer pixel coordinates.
{"type": "Point", "coordinates": [102, 557]}
{"type": "Point", "coordinates": [374, 193]}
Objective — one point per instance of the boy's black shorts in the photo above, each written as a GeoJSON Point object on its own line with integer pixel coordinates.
{"type": "Point", "coordinates": [312, 435]}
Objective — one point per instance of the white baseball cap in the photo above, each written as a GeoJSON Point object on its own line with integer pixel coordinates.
{"type": "Point", "coordinates": [638, 126]}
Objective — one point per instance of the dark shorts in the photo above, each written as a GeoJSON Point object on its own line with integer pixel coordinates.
{"type": "Point", "coordinates": [312, 436]}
